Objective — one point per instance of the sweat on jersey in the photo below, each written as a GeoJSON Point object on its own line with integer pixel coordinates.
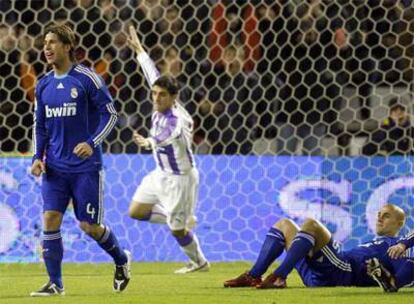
{"type": "Point", "coordinates": [171, 131]}
{"type": "Point", "coordinates": [70, 109]}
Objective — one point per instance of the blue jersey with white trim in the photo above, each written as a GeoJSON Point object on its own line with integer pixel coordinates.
{"type": "Point", "coordinates": [359, 255]}
{"type": "Point", "coordinates": [70, 109]}
{"type": "Point", "coordinates": [408, 241]}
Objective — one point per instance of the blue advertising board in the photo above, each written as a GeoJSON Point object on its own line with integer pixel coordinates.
{"type": "Point", "coordinates": [240, 197]}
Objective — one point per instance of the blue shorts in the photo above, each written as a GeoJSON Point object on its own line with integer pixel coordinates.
{"type": "Point", "coordinates": [328, 267]}
{"type": "Point", "coordinates": [84, 188]}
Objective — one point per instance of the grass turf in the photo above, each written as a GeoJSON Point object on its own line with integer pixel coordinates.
{"type": "Point", "coordinates": [156, 283]}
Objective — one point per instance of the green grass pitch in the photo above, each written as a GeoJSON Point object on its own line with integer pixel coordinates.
{"type": "Point", "coordinates": [156, 283]}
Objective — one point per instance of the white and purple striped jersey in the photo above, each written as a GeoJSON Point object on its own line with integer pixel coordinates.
{"type": "Point", "coordinates": [171, 131]}
{"type": "Point", "coordinates": [70, 109]}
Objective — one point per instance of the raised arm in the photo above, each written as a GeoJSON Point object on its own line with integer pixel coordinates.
{"type": "Point", "coordinates": [150, 71]}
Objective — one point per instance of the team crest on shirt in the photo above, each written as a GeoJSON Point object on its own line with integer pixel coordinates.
{"type": "Point", "coordinates": [74, 92]}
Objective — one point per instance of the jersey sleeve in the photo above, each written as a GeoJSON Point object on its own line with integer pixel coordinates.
{"type": "Point", "coordinates": [166, 135]}
{"type": "Point", "coordinates": [408, 240]}
{"type": "Point", "coordinates": [148, 66]}
{"type": "Point", "coordinates": [101, 98]}
{"type": "Point", "coordinates": [39, 134]}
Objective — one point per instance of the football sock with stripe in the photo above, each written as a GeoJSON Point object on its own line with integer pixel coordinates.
{"type": "Point", "coordinates": [272, 248]}
{"type": "Point", "coordinates": [109, 243]}
{"type": "Point", "coordinates": [53, 255]}
{"type": "Point", "coordinates": [191, 247]}
{"type": "Point", "coordinates": [301, 245]}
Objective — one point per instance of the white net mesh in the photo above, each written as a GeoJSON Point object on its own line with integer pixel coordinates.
{"type": "Point", "coordinates": [277, 77]}
{"type": "Point", "coordinates": [281, 77]}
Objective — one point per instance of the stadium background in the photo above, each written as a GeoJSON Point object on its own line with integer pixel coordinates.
{"type": "Point", "coordinates": [284, 95]}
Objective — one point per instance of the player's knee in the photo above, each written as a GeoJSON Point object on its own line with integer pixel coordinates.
{"type": "Point", "coordinates": [179, 233]}
{"type": "Point", "coordinates": [311, 226]}
{"type": "Point", "coordinates": [284, 224]}
{"type": "Point", "coordinates": [90, 229]}
{"type": "Point", "coordinates": [138, 213]}
{"type": "Point", "coordinates": [51, 220]}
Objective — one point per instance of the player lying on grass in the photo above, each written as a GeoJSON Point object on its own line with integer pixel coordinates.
{"type": "Point", "coordinates": [168, 194]}
{"type": "Point", "coordinates": [317, 257]}
{"type": "Point", "coordinates": [396, 269]}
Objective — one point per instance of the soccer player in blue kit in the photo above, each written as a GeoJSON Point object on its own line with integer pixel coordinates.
{"type": "Point", "coordinates": [395, 269]}
{"type": "Point", "coordinates": [318, 258]}
{"type": "Point", "coordinates": [74, 113]}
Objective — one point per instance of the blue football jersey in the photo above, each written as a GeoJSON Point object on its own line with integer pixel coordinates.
{"type": "Point", "coordinates": [408, 240]}
{"type": "Point", "coordinates": [70, 109]}
{"type": "Point", "coordinates": [359, 255]}
{"type": "Point", "coordinates": [402, 269]}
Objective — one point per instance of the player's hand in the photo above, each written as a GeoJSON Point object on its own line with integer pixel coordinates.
{"type": "Point", "coordinates": [396, 251]}
{"type": "Point", "coordinates": [38, 167]}
{"type": "Point", "coordinates": [83, 150]}
{"type": "Point", "coordinates": [133, 40]}
{"type": "Point", "coordinates": [141, 140]}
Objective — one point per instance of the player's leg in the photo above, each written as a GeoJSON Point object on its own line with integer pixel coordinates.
{"type": "Point", "coordinates": [153, 213]}
{"type": "Point", "coordinates": [311, 238]}
{"type": "Point", "coordinates": [190, 245]}
{"type": "Point", "coordinates": [181, 197]}
{"type": "Point", "coordinates": [55, 193]}
{"type": "Point", "coordinates": [88, 204]}
{"type": "Point", "coordinates": [145, 205]}
{"type": "Point", "coordinates": [278, 238]}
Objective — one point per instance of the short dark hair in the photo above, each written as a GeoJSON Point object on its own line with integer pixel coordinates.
{"type": "Point", "coordinates": [65, 35]}
{"type": "Point", "coordinates": [395, 104]}
{"type": "Point", "coordinates": [168, 83]}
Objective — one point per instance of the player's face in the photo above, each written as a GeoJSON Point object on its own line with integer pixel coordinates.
{"type": "Point", "coordinates": [388, 222]}
{"type": "Point", "coordinates": [55, 51]}
{"type": "Point", "coordinates": [162, 99]}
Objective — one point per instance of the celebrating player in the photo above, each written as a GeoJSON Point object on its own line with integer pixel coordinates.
{"type": "Point", "coordinates": [73, 115]}
{"type": "Point", "coordinates": [317, 257]}
{"type": "Point", "coordinates": [168, 194]}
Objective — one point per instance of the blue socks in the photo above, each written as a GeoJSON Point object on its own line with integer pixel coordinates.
{"type": "Point", "coordinates": [301, 245]}
{"type": "Point", "coordinates": [272, 248]}
{"type": "Point", "coordinates": [53, 255]}
{"type": "Point", "coordinates": [109, 243]}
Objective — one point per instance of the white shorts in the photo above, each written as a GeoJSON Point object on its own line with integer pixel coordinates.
{"type": "Point", "coordinates": [176, 193]}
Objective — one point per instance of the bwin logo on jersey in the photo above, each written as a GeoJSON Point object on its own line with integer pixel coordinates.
{"type": "Point", "coordinates": [68, 109]}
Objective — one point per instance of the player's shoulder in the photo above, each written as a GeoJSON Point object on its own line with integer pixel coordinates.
{"type": "Point", "coordinates": [88, 75]}
{"type": "Point", "coordinates": [44, 79]}
{"type": "Point", "coordinates": [180, 111]}
{"type": "Point", "coordinates": [390, 240]}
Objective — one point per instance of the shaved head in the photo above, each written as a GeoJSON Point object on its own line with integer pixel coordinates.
{"type": "Point", "coordinates": [390, 220]}
{"type": "Point", "coordinates": [399, 212]}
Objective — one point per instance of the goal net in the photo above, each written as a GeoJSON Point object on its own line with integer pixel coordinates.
{"type": "Point", "coordinates": [301, 108]}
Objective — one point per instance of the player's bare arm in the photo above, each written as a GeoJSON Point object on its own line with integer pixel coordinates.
{"type": "Point", "coordinates": [83, 150]}
{"type": "Point", "coordinates": [133, 41]}
{"type": "Point", "coordinates": [38, 167]}
{"type": "Point", "coordinates": [396, 251]}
